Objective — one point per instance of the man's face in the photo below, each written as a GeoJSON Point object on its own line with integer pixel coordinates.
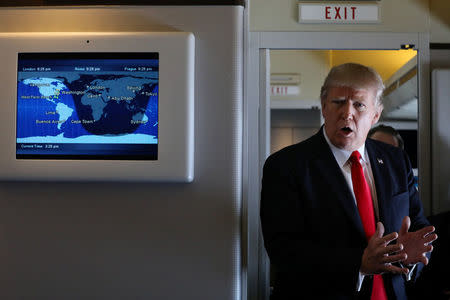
{"type": "Point", "coordinates": [349, 114]}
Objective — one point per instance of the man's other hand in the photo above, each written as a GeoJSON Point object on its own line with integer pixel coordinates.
{"type": "Point", "coordinates": [416, 244]}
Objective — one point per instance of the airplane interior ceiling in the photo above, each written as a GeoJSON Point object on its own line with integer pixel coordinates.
{"type": "Point", "coordinates": [402, 102]}
{"type": "Point", "coordinates": [400, 99]}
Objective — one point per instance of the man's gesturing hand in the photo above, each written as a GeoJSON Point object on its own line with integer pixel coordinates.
{"type": "Point", "coordinates": [416, 244]}
{"type": "Point", "coordinates": [378, 255]}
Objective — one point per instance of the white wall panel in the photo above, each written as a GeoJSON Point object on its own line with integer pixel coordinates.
{"type": "Point", "coordinates": [137, 240]}
{"type": "Point", "coordinates": [440, 83]}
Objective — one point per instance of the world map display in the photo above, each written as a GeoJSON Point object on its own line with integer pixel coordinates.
{"type": "Point", "coordinates": [87, 107]}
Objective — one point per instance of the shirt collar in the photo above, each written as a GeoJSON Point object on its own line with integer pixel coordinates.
{"type": "Point", "coordinates": [342, 155]}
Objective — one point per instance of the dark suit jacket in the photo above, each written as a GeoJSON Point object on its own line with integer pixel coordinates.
{"type": "Point", "coordinates": [311, 226]}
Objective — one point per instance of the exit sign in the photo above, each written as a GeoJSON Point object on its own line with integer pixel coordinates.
{"type": "Point", "coordinates": [338, 13]}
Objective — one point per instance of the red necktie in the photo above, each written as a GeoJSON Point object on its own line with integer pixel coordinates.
{"type": "Point", "coordinates": [365, 208]}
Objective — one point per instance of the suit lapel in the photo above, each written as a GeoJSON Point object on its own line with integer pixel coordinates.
{"type": "Point", "coordinates": [382, 183]}
{"type": "Point", "coordinates": [334, 180]}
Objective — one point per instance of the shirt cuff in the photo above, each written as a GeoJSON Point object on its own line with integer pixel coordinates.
{"type": "Point", "coordinates": [359, 281]}
{"type": "Point", "coordinates": [362, 276]}
{"type": "Point", "coordinates": [411, 270]}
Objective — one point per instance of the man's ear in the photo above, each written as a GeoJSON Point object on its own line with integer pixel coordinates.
{"type": "Point", "coordinates": [322, 109]}
{"type": "Point", "coordinates": [377, 115]}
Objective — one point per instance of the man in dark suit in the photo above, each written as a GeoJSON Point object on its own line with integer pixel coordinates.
{"type": "Point", "coordinates": [338, 210]}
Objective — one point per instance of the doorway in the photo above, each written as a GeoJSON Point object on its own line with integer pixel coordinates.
{"type": "Point", "coordinates": [283, 107]}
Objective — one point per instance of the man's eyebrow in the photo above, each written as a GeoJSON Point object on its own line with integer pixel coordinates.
{"type": "Point", "coordinates": [358, 98]}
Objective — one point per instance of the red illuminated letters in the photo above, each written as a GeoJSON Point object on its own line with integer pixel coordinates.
{"type": "Point", "coordinates": [327, 12]}
{"type": "Point", "coordinates": [339, 14]}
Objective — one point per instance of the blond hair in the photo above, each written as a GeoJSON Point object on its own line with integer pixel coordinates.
{"type": "Point", "coordinates": [355, 76]}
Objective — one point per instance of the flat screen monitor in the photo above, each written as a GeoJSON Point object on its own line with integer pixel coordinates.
{"type": "Point", "coordinates": [87, 106]}
{"type": "Point", "coordinates": [97, 106]}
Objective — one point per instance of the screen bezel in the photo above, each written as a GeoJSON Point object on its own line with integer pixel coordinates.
{"type": "Point", "coordinates": [176, 107]}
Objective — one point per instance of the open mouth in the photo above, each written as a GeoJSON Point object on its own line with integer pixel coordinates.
{"type": "Point", "coordinates": [346, 130]}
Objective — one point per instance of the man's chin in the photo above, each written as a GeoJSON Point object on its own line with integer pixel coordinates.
{"type": "Point", "coordinates": [345, 144]}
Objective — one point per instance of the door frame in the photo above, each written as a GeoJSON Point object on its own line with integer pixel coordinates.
{"type": "Point", "coordinates": [257, 125]}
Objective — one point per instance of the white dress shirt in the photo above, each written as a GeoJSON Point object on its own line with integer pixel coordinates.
{"type": "Point", "coordinates": [342, 158]}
